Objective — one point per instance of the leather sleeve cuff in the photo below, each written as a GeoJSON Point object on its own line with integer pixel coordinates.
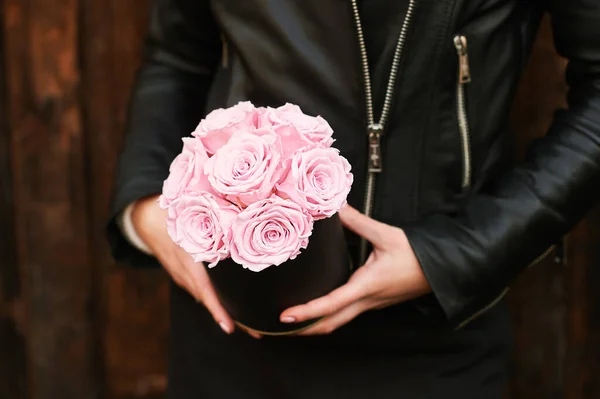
{"type": "Point", "coordinates": [453, 299]}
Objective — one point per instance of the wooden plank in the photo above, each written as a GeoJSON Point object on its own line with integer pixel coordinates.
{"type": "Point", "coordinates": [539, 315]}
{"type": "Point", "coordinates": [50, 207]}
{"type": "Point", "coordinates": [583, 362]}
{"type": "Point", "coordinates": [13, 372]}
{"type": "Point", "coordinates": [538, 300]}
{"type": "Point", "coordinates": [135, 311]}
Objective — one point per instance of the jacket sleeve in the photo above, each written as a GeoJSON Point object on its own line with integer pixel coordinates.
{"type": "Point", "coordinates": [470, 258]}
{"type": "Point", "coordinates": [182, 49]}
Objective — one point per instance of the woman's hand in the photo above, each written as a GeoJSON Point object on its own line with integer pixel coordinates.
{"type": "Point", "coordinates": [150, 223]}
{"type": "Point", "coordinates": [391, 275]}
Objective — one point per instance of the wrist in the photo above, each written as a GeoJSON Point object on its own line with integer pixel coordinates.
{"type": "Point", "coordinates": [132, 225]}
{"type": "Point", "coordinates": [421, 284]}
{"type": "Point", "coordinates": [149, 221]}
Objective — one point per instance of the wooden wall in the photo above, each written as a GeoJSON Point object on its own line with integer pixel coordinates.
{"type": "Point", "coordinates": [556, 304]}
{"type": "Point", "coordinates": [75, 325]}
{"type": "Point", "coordinates": [72, 323]}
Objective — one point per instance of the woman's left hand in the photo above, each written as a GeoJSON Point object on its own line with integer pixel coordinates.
{"type": "Point", "coordinates": [391, 275]}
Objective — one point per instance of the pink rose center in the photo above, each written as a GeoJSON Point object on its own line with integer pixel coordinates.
{"type": "Point", "coordinates": [322, 181]}
{"type": "Point", "coordinates": [320, 178]}
{"type": "Point", "coordinates": [205, 224]}
{"type": "Point", "coordinates": [243, 165]}
{"type": "Point", "coordinates": [273, 234]}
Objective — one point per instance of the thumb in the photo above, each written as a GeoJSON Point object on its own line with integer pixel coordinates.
{"type": "Point", "coordinates": [366, 227]}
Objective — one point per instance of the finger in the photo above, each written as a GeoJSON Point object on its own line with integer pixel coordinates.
{"type": "Point", "coordinates": [335, 321]}
{"type": "Point", "coordinates": [177, 273]}
{"type": "Point", "coordinates": [212, 303]}
{"type": "Point", "coordinates": [254, 334]}
{"type": "Point", "coordinates": [251, 333]}
{"type": "Point", "coordinates": [366, 227]}
{"type": "Point", "coordinates": [204, 291]}
{"type": "Point", "coordinates": [194, 279]}
{"type": "Point", "coordinates": [324, 306]}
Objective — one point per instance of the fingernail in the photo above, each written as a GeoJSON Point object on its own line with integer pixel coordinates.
{"type": "Point", "coordinates": [225, 327]}
{"type": "Point", "coordinates": [288, 319]}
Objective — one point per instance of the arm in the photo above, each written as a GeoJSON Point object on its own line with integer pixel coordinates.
{"type": "Point", "coordinates": [127, 227]}
{"type": "Point", "coordinates": [181, 53]}
{"type": "Point", "coordinates": [470, 258]}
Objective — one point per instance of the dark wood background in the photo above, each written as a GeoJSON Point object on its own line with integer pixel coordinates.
{"type": "Point", "coordinates": [75, 325]}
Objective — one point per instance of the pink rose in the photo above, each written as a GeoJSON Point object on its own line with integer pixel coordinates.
{"type": "Point", "coordinates": [218, 126]}
{"type": "Point", "coordinates": [261, 117]}
{"type": "Point", "coordinates": [186, 173]}
{"type": "Point", "coordinates": [297, 129]}
{"type": "Point", "coordinates": [319, 180]}
{"type": "Point", "coordinates": [269, 232]}
{"type": "Point", "coordinates": [246, 169]}
{"type": "Point", "coordinates": [201, 225]}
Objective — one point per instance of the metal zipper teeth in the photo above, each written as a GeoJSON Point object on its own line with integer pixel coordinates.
{"type": "Point", "coordinates": [503, 293]}
{"type": "Point", "coordinates": [464, 77]}
{"type": "Point", "coordinates": [463, 125]}
{"type": "Point", "coordinates": [370, 186]}
{"type": "Point", "coordinates": [387, 102]}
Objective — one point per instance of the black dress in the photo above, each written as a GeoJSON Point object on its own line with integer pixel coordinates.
{"type": "Point", "coordinates": [381, 355]}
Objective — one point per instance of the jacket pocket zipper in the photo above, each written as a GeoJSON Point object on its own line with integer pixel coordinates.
{"type": "Point", "coordinates": [504, 292]}
{"type": "Point", "coordinates": [464, 77]}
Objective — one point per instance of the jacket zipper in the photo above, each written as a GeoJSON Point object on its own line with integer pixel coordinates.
{"type": "Point", "coordinates": [504, 292]}
{"type": "Point", "coordinates": [375, 130]}
{"type": "Point", "coordinates": [464, 77]}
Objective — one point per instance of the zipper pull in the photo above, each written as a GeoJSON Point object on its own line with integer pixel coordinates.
{"type": "Point", "coordinates": [464, 72]}
{"type": "Point", "coordinates": [375, 132]}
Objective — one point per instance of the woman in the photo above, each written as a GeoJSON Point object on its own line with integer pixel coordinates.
{"type": "Point", "coordinates": [418, 93]}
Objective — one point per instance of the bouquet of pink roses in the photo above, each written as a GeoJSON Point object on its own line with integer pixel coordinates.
{"type": "Point", "coordinates": [250, 184]}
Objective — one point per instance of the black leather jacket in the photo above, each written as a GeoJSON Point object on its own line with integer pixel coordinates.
{"type": "Point", "coordinates": [474, 219]}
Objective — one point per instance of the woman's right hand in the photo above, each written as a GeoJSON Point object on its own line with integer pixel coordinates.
{"type": "Point", "coordinates": [149, 221]}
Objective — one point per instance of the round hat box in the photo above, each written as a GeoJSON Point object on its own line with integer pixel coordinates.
{"type": "Point", "coordinates": [255, 300]}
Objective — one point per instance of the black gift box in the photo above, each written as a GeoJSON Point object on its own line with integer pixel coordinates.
{"type": "Point", "coordinates": [255, 300]}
